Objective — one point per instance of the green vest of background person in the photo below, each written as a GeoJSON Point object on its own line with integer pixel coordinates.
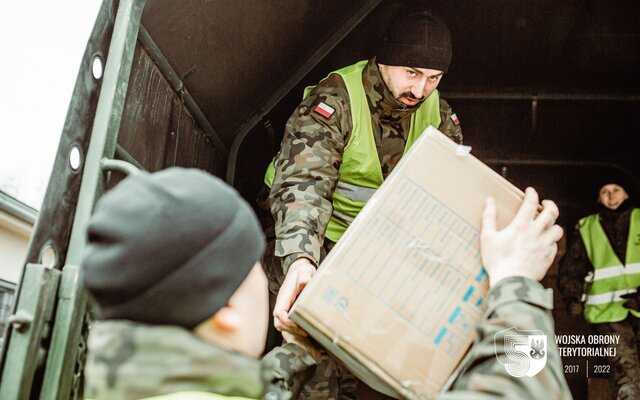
{"type": "Point", "coordinates": [360, 173]}
{"type": "Point", "coordinates": [611, 277]}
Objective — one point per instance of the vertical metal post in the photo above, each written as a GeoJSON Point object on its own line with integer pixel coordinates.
{"type": "Point", "coordinates": [59, 379]}
{"type": "Point", "coordinates": [30, 321]}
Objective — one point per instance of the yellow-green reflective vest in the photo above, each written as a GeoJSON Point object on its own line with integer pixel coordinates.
{"type": "Point", "coordinates": [360, 173]}
{"type": "Point", "coordinates": [611, 278]}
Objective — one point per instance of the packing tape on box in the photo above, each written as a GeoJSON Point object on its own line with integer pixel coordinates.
{"type": "Point", "coordinates": [463, 150]}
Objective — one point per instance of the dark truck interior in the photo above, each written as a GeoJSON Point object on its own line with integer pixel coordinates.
{"type": "Point", "coordinates": [547, 93]}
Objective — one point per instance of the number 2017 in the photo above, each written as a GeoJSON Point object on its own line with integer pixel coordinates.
{"type": "Point", "coordinates": [571, 368]}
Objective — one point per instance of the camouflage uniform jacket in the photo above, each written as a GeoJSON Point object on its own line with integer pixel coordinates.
{"type": "Point", "coordinates": [128, 360]}
{"type": "Point", "coordinates": [311, 151]}
{"type": "Point", "coordinates": [526, 305]}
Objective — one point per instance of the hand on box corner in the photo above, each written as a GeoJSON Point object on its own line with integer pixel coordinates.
{"type": "Point", "coordinates": [300, 273]}
{"type": "Point", "coordinates": [526, 247]}
{"type": "Point", "coordinates": [633, 300]}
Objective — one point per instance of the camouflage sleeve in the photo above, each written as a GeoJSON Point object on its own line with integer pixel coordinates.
{"type": "Point", "coordinates": [285, 369]}
{"type": "Point", "coordinates": [524, 304]}
{"type": "Point", "coordinates": [450, 124]}
{"type": "Point", "coordinates": [574, 267]}
{"type": "Point", "coordinates": [307, 171]}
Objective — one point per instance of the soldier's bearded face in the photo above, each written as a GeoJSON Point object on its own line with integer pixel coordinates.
{"type": "Point", "coordinates": [612, 195]}
{"type": "Point", "coordinates": [410, 85]}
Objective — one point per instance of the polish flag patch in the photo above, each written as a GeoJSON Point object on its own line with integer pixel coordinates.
{"type": "Point", "coordinates": [324, 109]}
{"type": "Point", "coordinates": [455, 119]}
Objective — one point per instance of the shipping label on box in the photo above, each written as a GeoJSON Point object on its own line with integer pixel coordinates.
{"type": "Point", "coordinates": [398, 298]}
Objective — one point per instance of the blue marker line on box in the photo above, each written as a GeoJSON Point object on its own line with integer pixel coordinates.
{"type": "Point", "coordinates": [440, 336]}
{"type": "Point", "coordinates": [454, 314]}
{"type": "Point", "coordinates": [468, 294]}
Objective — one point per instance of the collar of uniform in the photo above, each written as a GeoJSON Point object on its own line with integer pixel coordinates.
{"type": "Point", "coordinates": [379, 98]}
{"type": "Point", "coordinates": [167, 359]}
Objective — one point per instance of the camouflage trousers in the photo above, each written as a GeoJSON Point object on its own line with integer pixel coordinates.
{"type": "Point", "coordinates": [626, 363]}
{"type": "Point", "coordinates": [305, 377]}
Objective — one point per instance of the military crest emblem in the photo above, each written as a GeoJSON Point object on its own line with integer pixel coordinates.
{"type": "Point", "coordinates": [522, 353]}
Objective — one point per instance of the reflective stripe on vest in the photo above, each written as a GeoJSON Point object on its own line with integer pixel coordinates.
{"type": "Point", "coordinates": [354, 192]}
{"type": "Point", "coordinates": [360, 172]}
{"type": "Point", "coordinates": [611, 278]}
{"type": "Point", "coordinates": [606, 298]}
{"type": "Point", "coordinates": [616, 270]}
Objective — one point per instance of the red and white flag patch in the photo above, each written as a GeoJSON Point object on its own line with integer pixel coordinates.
{"type": "Point", "coordinates": [324, 109]}
{"type": "Point", "coordinates": [455, 119]}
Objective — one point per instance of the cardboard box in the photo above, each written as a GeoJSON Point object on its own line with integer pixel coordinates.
{"type": "Point", "coordinates": [398, 298]}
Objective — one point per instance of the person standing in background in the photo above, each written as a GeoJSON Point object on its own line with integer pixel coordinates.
{"type": "Point", "coordinates": [599, 278]}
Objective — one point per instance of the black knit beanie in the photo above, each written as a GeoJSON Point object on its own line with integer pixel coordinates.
{"type": "Point", "coordinates": [619, 177]}
{"type": "Point", "coordinates": [169, 247]}
{"type": "Point", "coordinates": [417, 39]}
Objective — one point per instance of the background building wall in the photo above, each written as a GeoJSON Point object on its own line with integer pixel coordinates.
{"type": "Point", "coordinates": [14, 239]}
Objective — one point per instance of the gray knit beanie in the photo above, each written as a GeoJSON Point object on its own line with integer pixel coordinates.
{"type": "Point", "coordinates": [417, 39]}
{"type": "Point", "coordinates": [169, 247]}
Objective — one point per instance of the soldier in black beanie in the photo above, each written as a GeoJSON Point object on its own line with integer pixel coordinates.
{"type": "Point", "coordinates": [339, 145]}
{"type": "Point", "coordinates": [172, 263]}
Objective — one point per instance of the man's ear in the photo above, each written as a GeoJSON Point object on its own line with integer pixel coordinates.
{"type": "Point", "coordinates": [227, 320]}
